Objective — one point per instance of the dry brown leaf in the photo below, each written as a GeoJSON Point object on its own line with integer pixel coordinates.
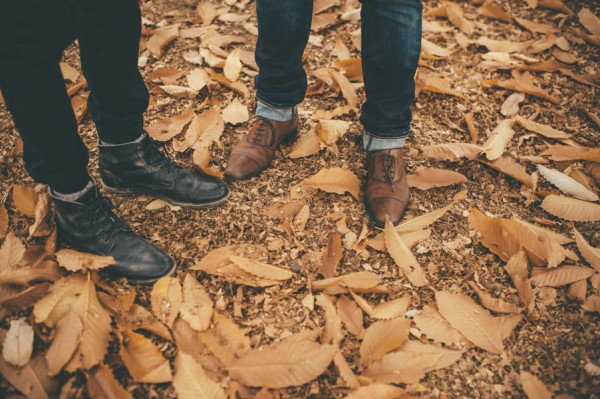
{"type": "Point", "coordinates": [471, 320]}
{"type": "Point", "coordinates": [96, 329]}
{"type": "Point", "coordinates": [561, 276]}
{"type": "Point", "coordinates": [423, 221]}
{"type": "Point", "coordinates": [503, 46]}
{"type": "Point", "coordinates": [233, 66]}
{"type": "Point", "coordinates": [25, 298]}
{"type": "Point", "coordinates": [592, 304]}
{"type": "Point", "coordinates": [57, 303]}
{"type": "Point", "coordinates": [282, 365]}
{"type": "Point", "coordinates": [197, 79]}
{"type": "Point", "coordinates": [18, 344]}
{"type": "Point", "coordinates": [261, 270]}
{"type": "Point", "coordinates": [138, 317]}
{"type": "Point", "coordinates": [192, 382]}
{"type": "Point", "coordinates": [590, 254]}
{"type": "Point", "coordinates": [179, 91]}
{"type": "Point", "coordinates": [436, 328]}
{"type": "Point", "coordinates": [441, 85]}
{"type": "Point", "coordinates": [235, 112]}
{"type": "Point", "coordinates": [345, 86]}
{"type": "Point", "coordinates": [238, 87]}
{"type": "Point", "coordinates": [511, 168]}
{"type": "Point", "coordinates": [431, 48]}
{"type": "Point", "coordinates": [80, 261]}
{"type": "Point", "coordinates": [494, 304]}
{"type": "Point", "coordinates": [567, 184]}
{"type": "Point", "coordinates": [225, 340]}
{"type": "Point", "coordinates": [102, 384]}
{"type": "Point", "coordinates": [24, 199]}
{"type": "Point", "coordinates": [589, 20]}
{"type": "Point", "coordinates": [426, 178]}
{"type": "Point", "coordinates": [3, 221]}
{"type": "Point", "coordinates": [403, 257]}
{"type": "Point", "coordinates": [160, 38]}
{"type": "Point", "coordinates": [334, 180]}
{"type": "Point", "coordinates": [32, 379]}
{"type": "Point", "coordinates": [490, 9]}
{"type": "Point", "coordinates": [391, 309]}
{"type": "Point", "coordinates": [455, 15]}
{"type": "Point", "coordinates": [351, 315]}
{"type": "Point", "coordinates": [204, 130]}
{"type": "Point", "coordinates": [332, 255]}
{"type": "Point", "coordinates": [197, 307]}
{"type": "Point", "coordinates": [143, 360]}
{"type": "Point", "coordinates": [535, 27]}
{"type": "Point", "coordinates": [345, 371]}
{"type": "Point", "coordinates": [452, 151]}
{"type": "Point", "coordinates": [307, 144]}
{"type": "Point", "coordinates": [533, 387]}
{"type": "Point", "coordinates": [523, 83]}
{"type": "Point", "coordinates": [379, 391]}
{"type": "Point", "coordinates": [166, 129]}
{"type": "Point", "coordinates": [510, 106]}
{"type": "Point", "coordinates": [507, 324]}
{"type": "Point", "coordinates": [516, 268]}
{"type": "Point", "coordinates": [330, 130]}
{"type": "Point", "coordinates": [578, 290]}
{"type": "Point", "coordinates": [494, 235]}
{"type": "Point", "coordinates": [66, 340]}
{"type": "Point", "coordinates": [382, 337]}
{"type": "Point", "coordinates": [540, 129]}
{"type": "Point", "coordinates": [332, 334]}
{"type": "Point", "coordinates": [571, 209]}
{"type": "Point", "coordinates": [166, 299]}
{"type": "Point", "coordinates": [569, 153]}
{"type": "Point", "coordinates": [499, 139]}
{"type": "Point", "coordinates": [207, 12]}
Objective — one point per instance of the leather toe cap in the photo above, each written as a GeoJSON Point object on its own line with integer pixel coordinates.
{"type": "Point", "coordinates": [240, 167]}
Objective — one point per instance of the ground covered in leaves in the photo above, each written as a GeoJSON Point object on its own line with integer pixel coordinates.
{"type": "Point", "coordinates": [490, 288]}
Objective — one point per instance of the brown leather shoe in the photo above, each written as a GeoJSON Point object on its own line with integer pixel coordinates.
{"type": "Point", "coordinates": [256, 150]}
{"type": "Point", "coordinates": [386, 189]}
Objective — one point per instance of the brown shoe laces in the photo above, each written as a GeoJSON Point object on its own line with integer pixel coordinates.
{"type": "Point", "coordinates": [259, 134]}
{"type": "Point", "coordinates": [389, 169]}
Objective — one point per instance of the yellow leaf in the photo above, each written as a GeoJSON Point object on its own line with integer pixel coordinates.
{"type": "Point", "coordinates": [471, 320]}
{"type": "Point", "coordinates": [197, 307]}
{"type": "Point", "coordinates": [571, 209]}
{"type": "Point", "coordinates": [143, 361]}
{"type": "Point", "coordinates": [496, 144]}
{"type": "Point", "coordinates": [261, 270]}
{"type": "Point", "coordinates": [166, 129]}
{"type": "Point", "coordinates": [235, 112]}
{"type": "Point", "coordinates": [403, 257]}
{"type": "Point", "coordinates": [334, 180]}
{"type": "Point", "coordinates": [225, 340]}
{"type": "Point", "coordinates": [426, 178]}
{"type": "Point", "coordinates": [57, 303]}
{"type": "Point", "coordinates": [307, 144]}
{"type": "Point", "coordinates": [66, 340]}
{"type": "Point", "coordinates": [452, 151]}
{"type": "Point", "coordinates": [160, 38]}
{"type": "Point", "coordinates": [382, 337]}
{"type": "Point", "coordinates": [391, 309]}
{"type": "Point", "coordinates": [351, 315]}
{"type": "Point", "coordinates": [166, 299]}
{"type": "Point", "coordinates": [436, 328]}
{"type": "Point", "coordinates": [233, 66]}
{"type": "Point", "coordinates": [192, 382]}
{"type": "Point", "coordinates": [333, 323]}
{"type": "Point", "coordinates": [282, 365]}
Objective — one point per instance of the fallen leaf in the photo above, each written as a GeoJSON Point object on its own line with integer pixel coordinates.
{"type": "Point", "coordinates": [426, 178]}
{"type": "Point", "coordinates": [345, 86]}
{"type": "Point", "coordinates": [192, 382]}
{"type": "Point", "coordinates": [379, 391]}
{"type": "Point", "coordinates": [403, 257]}
{"type": "Point", "coordinates": [494, 304]}
{"type": "Point", "coordinates": [80, 261]}
{"type": "Point", "coordinates": [3, 221]}
{"type": "Point", "coordinates": [18, 344]}
{"type": "Point", "coordinates": [261, 270]}
{"type": "Point", "coordinates": [332, 334]}
{"type": "Point", "coordinates": [329, 130]}
{"type": "Point", "coordinates": [441, 85]}
{"type": "Point", "coordinates": [207, 12]}
{"type": "Point", "coordinates": [197, 79]}
{"type": "Point", "coordinates": [540, 129]}
{"type": "Point", "coordinates": [332, 255]}
{"type": "Point", "coordinates": [523, 83]}
{"type": "Point", "coordinates": [24, 199]}
{"type": "Point", "coordinates": [307, 144]}
{"type": "Point", "coordinates": [32, 379]}
{"type": "Point", "coordinates": [533, 387]}
{"type": "Point", "coordinates": [382, 337]}
{"type": "Point", "coordinates": [567, 184]}
{"type": "Point", "coordinates": [510, 106]}
{"type": "Point", "coordinates": [57, 303]}
{"type": "Point", "coordinates": [66, 340]}
{"type": "Point", "coordinates": [226, 340]}
{"type": "Point", "coordinates": [235, 112]}
{"type": "Point", "coordinates": [431, 323]}
{"type": "Point", "coordinates": [351, 315]}
{"type": "Point", "coordinates": [452, 151]}
{"type": "Point", "coordinates": [590, 254]}
{"type": "Point", "coordinates": [455, 15]}
{"type": "Point", "coordinates": [233, 66]}
{"type": "Point", "coordinates": [334, 180]}
{"type": "Point", "coordinates": [166, 129]}
{"type": "Point", "coordinates": [166, 299]}
{"type": "Point", "coordinates": [496, 144]}
{"type": "Point", "coordinates": [589, 20]}
{"type": "Point", "coordinates": [160, 38]}
{"type": "Point", "coordinates": [197, 307]}
{"type": "Point", "coordinates": [571, 209]}
{"type": "Point", "coordinates": [283, 365]}
{"type": "Point", "coordinates": [143, 361]}
{"type": "Point", "coordinates": [511, 168]}
{"type": "Point", "coordinates": [592, 304]}
{"type": "Point", "coordinates": [471, 320]}
{"type": "Point", "coordinates": [561, 276]}
{"type": "Point", "coordinates": [102, 384]}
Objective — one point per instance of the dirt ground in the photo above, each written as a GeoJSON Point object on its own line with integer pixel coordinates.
{"type": "Point", "coordinates": [555, 347]}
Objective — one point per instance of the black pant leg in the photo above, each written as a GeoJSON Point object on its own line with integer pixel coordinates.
{"type": "Point", "coordinates": [53, 151]}
{"type": "Point", "coordinates": [109, 35]}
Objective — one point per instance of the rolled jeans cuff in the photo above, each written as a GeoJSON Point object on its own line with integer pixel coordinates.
{"type": "Point", "coordinates": [282, 114]}
{"type": "Point", "coordinates": [376, 143]}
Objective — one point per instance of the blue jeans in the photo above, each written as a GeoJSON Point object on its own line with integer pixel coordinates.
{"type": "Point", "coordinates": [391, 44]}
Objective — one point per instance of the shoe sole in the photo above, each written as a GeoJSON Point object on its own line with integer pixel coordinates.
{"type": "Point", "coordinates": [126, 192]}
{"type": "Point", "coordinates": [130, 281]}
{"type": "Point", "coordinates": [288, 140]}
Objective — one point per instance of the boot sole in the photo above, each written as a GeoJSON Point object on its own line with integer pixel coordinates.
{"type": "Point", "coordinates": [127, 192]}
{"type": "Point", "coordinates": [288, 140]}
{"type": "Point", "coordinates": [130, 281]}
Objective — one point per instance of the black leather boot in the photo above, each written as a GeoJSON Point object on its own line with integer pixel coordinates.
{"type": "Point", "coordinates": [140, 168]}
{"type": "Point", "coordinates": [89, 225]}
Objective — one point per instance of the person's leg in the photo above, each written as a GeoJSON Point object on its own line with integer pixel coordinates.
{"type": "Point", "coordinates": [109, 34]}
{"type": "Point", "coordinates": [52, 150]}
{"type": "Point", "coordinates": [283, 31]}
{"type": "Point", "coordinates": [391, 45]}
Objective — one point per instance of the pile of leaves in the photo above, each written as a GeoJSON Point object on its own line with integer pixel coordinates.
{"type": "Point", "coordinates": [307, 299]}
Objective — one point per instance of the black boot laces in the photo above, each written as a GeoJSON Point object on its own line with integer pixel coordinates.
{"type": "Point", "coordinates": [156, 158]}
{"type": "Point", "coordinates": [389, 169]}
{"type": "Point", "coordinates": [99, 215]}
{"type": "Point", "coordinates": [264, 126]}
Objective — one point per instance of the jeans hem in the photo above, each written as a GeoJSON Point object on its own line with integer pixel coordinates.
{"type": "Point", "coordinates": [402, 134]}
{"type": "Point", "coordinates": [273, 105]}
